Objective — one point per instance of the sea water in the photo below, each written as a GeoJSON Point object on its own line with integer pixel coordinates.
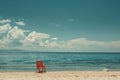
{"type": "Point", "coordinates": [60, 61]}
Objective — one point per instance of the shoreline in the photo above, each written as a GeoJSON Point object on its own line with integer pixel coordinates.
{"type": "Point", "coordinates": [61, 75]}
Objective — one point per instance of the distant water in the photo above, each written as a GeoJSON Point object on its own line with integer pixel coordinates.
{"type": "Point", "coordinates": [59, 61]}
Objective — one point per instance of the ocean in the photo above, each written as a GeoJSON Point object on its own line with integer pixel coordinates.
{"type": "Point", "coordinates": [59, 61]}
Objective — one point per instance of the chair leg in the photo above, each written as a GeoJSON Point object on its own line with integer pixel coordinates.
{"type": "Point", "coordinates": [37, 70]}
{"type": "Point", "coordinates": [40, 70]}
{"type": "Point", "coordinates": [44, 70]}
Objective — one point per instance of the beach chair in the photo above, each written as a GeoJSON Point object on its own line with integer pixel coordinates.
{"type": "Point", "coordinates": [40, 67]}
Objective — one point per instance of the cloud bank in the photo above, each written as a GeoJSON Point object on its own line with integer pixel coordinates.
{"type": "Point", "coordinates": [5, 21]}
{"type": "Point", "coordinates": [13, 37]}
{"type": "Point", "coordinates": [21, 23]}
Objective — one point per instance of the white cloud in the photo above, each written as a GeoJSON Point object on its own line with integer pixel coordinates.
{"type": "Point", "coordinates": [5, 21]}
{"type": "Point", "coordinates": [53, 44]}
{"type": "Point", "coordinates": [85, 42]}
{"type": "Point", "coordinates": [2, 44]}
{"type": "Point", "coordinates": [115, 44]}
{"type": "Point", "coordinates": [15, 37]}
{"type": "Point", "coordinates": [38, 35]}
{"type": "Point", "coordinates": [35, 38]}
{"type": "Point", "coordinates": [12, 37]}
{"type": "Point", "coordinates": [81, 43]}
{"type": "Point", "coordinates": [16, 33]}
{"type": "Point", "coordinates": [55, 38]}
{"type": "Point", "coordinates": [5, 28]}
{"type": "Point", "coordinates": [21, 23]}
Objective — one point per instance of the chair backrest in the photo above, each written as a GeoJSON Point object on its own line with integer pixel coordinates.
{"type": "Point", "coordinates": [39, 64]}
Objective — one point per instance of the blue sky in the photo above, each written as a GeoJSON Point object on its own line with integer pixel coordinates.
{"type": "Point", "coordinates": [60, 25]}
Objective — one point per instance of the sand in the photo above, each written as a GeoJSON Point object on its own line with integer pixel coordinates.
{"type": "Point", "coordinates": [61, 75]}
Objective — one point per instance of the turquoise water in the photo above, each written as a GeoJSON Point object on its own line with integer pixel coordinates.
{"type": "Point", "coordinates": [59, 61]}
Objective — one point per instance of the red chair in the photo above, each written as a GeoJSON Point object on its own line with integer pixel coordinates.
{"type": "Point", "coordinates": [40, 67]}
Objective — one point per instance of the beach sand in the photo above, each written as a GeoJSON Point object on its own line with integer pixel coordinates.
{"type": "Point", "coordinates": [61, 75]}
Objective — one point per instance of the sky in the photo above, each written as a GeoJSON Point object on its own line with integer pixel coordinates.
{"type": "Point", "coordinates": [60, 25]}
